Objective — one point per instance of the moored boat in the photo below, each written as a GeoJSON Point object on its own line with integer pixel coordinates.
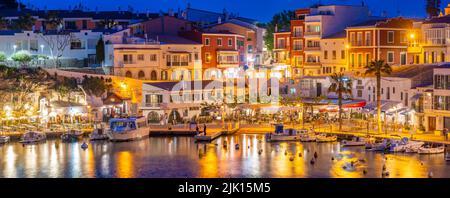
{"type": "Point", "coordinates": [281, 134]}
{"type": "Point", "coordinates": [447, 153]}
{"type": "Point", "coordinates": [308, 137]}
{"type": "Point", "coordinates": [355, 141]}
{"type": "Point", "coordinates": [405, 144]}
{"type": "Point", "coordinates": [99, 133]}
{"type": "Point", "coordinates": [431, 150]}
{"type": "Point", "coordinates": [326, 138]}
{"type": "Point", "coordinates": [33, 137]}
{"type": "Point", "coordinates": [72, 135]}
{"type": "Point", "coordinates": [125, 129]}
{"type": "Point", "coordinates": [4, 139]}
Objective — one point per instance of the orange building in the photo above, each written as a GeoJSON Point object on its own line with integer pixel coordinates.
{"type": "Point", "coordinates": [382, 39]}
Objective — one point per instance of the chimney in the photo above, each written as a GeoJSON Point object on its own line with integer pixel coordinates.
{"type": "Point", "coordinates": [276, 27]}
{"type": "Point", "coordinates": [447, 9]}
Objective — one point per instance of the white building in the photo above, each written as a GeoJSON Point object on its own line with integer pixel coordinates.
{"type": "Point", "coordinates": [80, 50]}
{"type": "Point", "coordinates": [163, 57]}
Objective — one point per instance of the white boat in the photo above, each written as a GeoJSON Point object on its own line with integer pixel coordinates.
{"type": "Point", "coordinates": [402, 146]}
{"type": "Point", "coordinates": [99, 133]}
{"type": "Point", "coordinates": [431, 150]}
{"type": "Point", "coordinates": [4, 139]}
{"type": "Point", "coordinates": [72, 135]}
{"type": "Point", "coordinates": [308, 137]}
{"type": "Point", "coordinates": [326, 138]}
{"type": "Point", "coordinates": [32, 137]}
{"type": "Point", "coordinates": [125, 129]}
{"type": "Point", "coordinates": [355, 141]}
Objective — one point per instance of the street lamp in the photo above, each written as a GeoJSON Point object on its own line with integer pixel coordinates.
{"type": "Point", "coordinates": [15, 47]}
{"type": "Point", "coordinates": [42, 49]}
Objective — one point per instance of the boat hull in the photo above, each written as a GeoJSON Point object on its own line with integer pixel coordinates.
{"type": "Point", "coordinates": [4, 140]}
{"type": "Point", "coordinates": [431, 150]}
{"type": "Point", "coordinates": [284, 138]}
{"type": "Point", "coordinates": [129, 135]}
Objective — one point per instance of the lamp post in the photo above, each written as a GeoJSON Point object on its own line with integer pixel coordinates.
{"type": "Point", "coordinates": [42, 49]}
{"type": "Point", "coordinates": [14, 47]}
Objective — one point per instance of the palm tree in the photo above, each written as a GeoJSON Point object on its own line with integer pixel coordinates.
{"type": "Point", "coordinates": [378, 68]}
{"type": "Point", "coordinates": [341, 86]}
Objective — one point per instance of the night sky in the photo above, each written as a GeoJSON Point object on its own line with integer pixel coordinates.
{"type": "Point", "coordinates": [261, 10]}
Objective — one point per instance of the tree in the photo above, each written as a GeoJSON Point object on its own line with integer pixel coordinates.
{"type": "Point", "coordinates": [280, 20]}
{"type": "Point", "coordinates": [53, 21]}
{"type": "Point", "coordinates": [3, 23]}
{"type": "Point", "coordinates": [65, 87]}
{"type": "Point", "coordinates": [377, 68]}
{"type": "Point", "coordinates": [432, 7]}
{"type": "Point", "coordinates": [107, 23]}
{"type": "Point", "coordinates": [57, 42]}
{"type": "Point", "coordinates": [25, 22]}
{"type": "Point", "coordinates": [94, 86]}
{"type": "Point", "coordinates": [2, 57]}
{"type": "Point", "coordinates": [22, 57]}
{"type": "Point", "coordinates": [340, 85]}
{"type": "Point", "coordinates": [100, 51]}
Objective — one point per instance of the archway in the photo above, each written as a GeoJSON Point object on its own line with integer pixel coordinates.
{"type": "Point", "coordinates": [141, 75]}
{"type": "Point", "coordinates": [128, 74]}
{"type": "Point", "coordinates": [153, 75]}
{"type": "Point", "coordinates": [153, 117]}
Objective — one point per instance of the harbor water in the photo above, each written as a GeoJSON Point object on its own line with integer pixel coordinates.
{"type": "Point", "coordinates": [181, 157]}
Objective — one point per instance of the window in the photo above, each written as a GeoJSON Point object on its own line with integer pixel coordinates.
{"type": "Point", "coordinates": [352, 60]}
{"type": "Point", "coordinates": [360, 60]}
{"type": "Point", "coordinates": [390, 36]}
{"type": "Point", "coordinates": [325, 54]}
{"type": "Point", "coordinates": [127, 58]}
{"type": "Point", "coordinates": [403, 58]}
{"type": "Point", "coordinates": [298, 45]}
{"type": "Point", "coordinates": [298, 32]}
{"type": "Point", "coordinates": [195, 56]}
{"type": "Point", "coordinates": [390, 57]}
{"type": "Point", "coordinates": [230, 42]}
{"type": "Point", "coordinates": [281, 43]}
{"type": "Point", "coordinates": [250, 48]}
{"type": "Point", "coordinates": [359, 39]}
{"type": "Point", "coordinates": [367, 59]}
{"type": "Point", "coordinates": [153, 57]}
{"type": "Point", "coordinates": [207, 57]}
{"type": "Point", "coordinates": [334, 54]}
{"type": "Point", "coordinates": [219, 42]}
{"type": "Point", "coordinates": [388, 93]}
{"type": "Point", "coordinates": [403, 38]}
{"type": "Point", "coordinates": [352, 39]}
{"type": "Point", "coordinates": [368, 40]}
{"type": "Point", "coordinates": [34, 45]}
{"type": "Point", "coordinates": [207, 41]}
{"type": "Point", "coordinates": [76, 44]}
{"type": "Point", "coordinates": [359, 93]}
{"type": "Point", "coordinates": [342, 54]}
{"type": "Point", "coordinates": [140, 57]}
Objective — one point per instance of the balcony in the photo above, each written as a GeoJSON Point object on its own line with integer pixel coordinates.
{"type": "Point", "coordinates": [312, 48]}
{"type": "Point", "coordinates": [414, 49]}
{"type": "Point", "coordinates": [312, 35]}
{"type": "Point", "coordinates": [152, 105]}
{"type": "Point", "coordinates": [297, 34]}
{"type": "Point", "coordinates": [312, 64]}
{"type": "Point", "coordinates": [280, 47]}
{"type": "Point", "coordinates": [169, 64]}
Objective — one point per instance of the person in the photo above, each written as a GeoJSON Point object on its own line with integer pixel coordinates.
{"type": "Point", "coordinates": [446, 134]}
{"type": "Point", "coordinates": [204, 129]}
{"type": "Point", "coordinates": [197, 129]}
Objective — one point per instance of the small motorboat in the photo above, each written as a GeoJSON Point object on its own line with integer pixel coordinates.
{"type": "Point", "coordinates": [356, 141]}
{"type": "Point", "coordinates": [72, 135]}
{"type": "Point", "coordinates": [4, 139]}
{"type": "Point", "coordinates": [99, 133]}
{"type": "Point", "coordinates": [33, 137]}
{"type": "Point", "coordinates": [326, 138]}
{"type": "Point", "coordinates": [406, 144]}
{"type": "Point", "coordinates": [127, 129]}
{"type": "Point", "coordinates": [281, 134]}
{"type": "Point", "coordinates": [431, 150]}
{"type": "Point", "coordinates": [308, 137]}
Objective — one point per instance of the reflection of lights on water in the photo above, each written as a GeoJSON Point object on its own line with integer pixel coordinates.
{"type": "Point", "coordinates": [124, 165]}
{"type": "Point", "coordinates": [10, 162]}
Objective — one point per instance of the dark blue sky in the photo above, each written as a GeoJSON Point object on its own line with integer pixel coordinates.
{"type": "Point", "coordinates": [258, 9]}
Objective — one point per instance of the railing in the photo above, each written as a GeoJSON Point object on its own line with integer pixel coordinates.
{"type": "Point", "coordinates": [297, 34]}
{"type": "Point", "coordinates": [152, 104]}
{"type": "Point", "coordinates": [312, 33]}
{"type": "Point", "coordinates": [312, 48]}
{"type": "Point", "coordinates": [177, 64]}
{"type": "Point", "coordinates": [280, 47]}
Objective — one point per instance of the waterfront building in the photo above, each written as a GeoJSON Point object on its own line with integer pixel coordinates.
{"type": "Point", "coordinates": [437, 101]}
{"type": "Point", "coordinates": [222, 53]}
{"type": "Point", "coordinates": [304, 49]}
{"type": "Point", "coordinates": [77, 48]}
{"type": "Point", "coordinates": [155, 57]}
{"type": "Point", "coordinates": [380, 39]}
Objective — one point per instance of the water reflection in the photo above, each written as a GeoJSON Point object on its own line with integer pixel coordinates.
{"type": "Point", "coordinates": [182, 157]}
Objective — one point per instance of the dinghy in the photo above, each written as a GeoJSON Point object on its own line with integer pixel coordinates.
{"type": "Point", "coordinates": [431, 150]}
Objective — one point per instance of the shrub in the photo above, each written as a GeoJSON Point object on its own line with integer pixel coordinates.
{"type": "Point", "coordinates": [22, 57]}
